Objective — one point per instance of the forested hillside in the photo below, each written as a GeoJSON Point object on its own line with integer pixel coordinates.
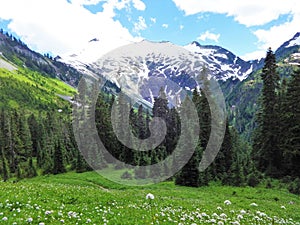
{"type": "Point", "coordinates": [37, 137]}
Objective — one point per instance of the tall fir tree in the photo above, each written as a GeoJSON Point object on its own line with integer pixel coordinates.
{"type": "Point", "coordinates": [266, 151]}
{"type": "Point", "coordinates": [189, 174]}
{"type": "Point", "coordinates": [58, 161]}
{"type": "Point", "coordinates": [291, 143]}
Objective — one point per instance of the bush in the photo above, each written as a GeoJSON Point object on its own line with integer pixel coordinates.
{"type": "Point", "coordinates": [126, 175]}
{"type": "Point", "coordinates": [294, 187]}
{"type": "Point", "coordinates": [253, 180]}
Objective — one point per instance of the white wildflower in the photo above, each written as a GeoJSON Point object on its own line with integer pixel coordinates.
{"type": "Point", "coordinates": [4, 218]}
{"type": "Point", "coordinates": [204, 214]}
{"type": "Point", "coordinates": [283, 207]}
{"type": "Point", "coordinates": [48, 212]}
{"type": "Point", "coordinates": [223, 215]}
{"type": "Point", "coordinates": [227, 202]}
{"type": "Point", "coordinates": [220, 223]}
{"type": "Point", "coordinates": [29, 220]}
{"type": "Point", "coordinates": [239, 217]}
{"type": "Point", "coordinates": [219, 208]}
{"type": "Point", "coordinates": [242, 211]}
{"type": "Point", "coordinates": [235, 223]}
{"type": "Point", "coordinates": [253, 204]}
{"type": "Point", "coordinates": [150, 196]}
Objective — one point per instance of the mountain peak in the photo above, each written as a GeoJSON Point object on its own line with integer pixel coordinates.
{"type": "Point", "coordinates": [196, 43]}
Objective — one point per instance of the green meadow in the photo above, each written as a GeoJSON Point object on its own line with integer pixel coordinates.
{"type": "Point", "coordinates": [88, 198]}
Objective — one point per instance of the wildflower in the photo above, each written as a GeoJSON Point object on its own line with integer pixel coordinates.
{"type": "Point", "coordinates": [227, 202]}
{"type": "Point", "coordinates": [29, 220]}
{"type": "Point", "coordinates": [41, 223]}
{"type": "Point", "coordinates": [253, 204]}
{"type": "Point", "coordinates": [219, 208]}
{"type": "Point", "coordinates": [48, 212]}
{"type": "Point", "coordinates": [240, 217]}
{"type": "Point", "coordinates": [204, 214]}
{"type": "Point", "coordinates": [242, 211]}
{"type": "Point", "coordinates": [220, 223]}
{"type": "Point", "coordinates": [283, 207]}
{"type": "Point", "coordinates": [4, 218]}
{"type": "Point", "coordinates": [213, 221]}
{"type": "Point", "coordinates": [150, 196]}
{"type": "Point", "coordinates": [235, 223]}
{"type": "Point", "coordinates": [223, 215]}
{"type": "Point", "coordinates": [62, 221]}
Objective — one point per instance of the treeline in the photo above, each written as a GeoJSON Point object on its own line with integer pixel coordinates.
{"type": "Point", "coordinates": [276, 142]}
{"type": "Point", "coordinates": [232, 166]}
{"type": "Point", "coordinates": [35, 144]}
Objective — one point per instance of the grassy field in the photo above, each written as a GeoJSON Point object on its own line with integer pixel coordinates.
{"type": "Point", "coordinates": [27, 89]}
{"type": "Point", "coordinates": [88, 198]}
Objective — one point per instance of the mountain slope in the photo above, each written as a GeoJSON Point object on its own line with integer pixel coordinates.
{"type": "Point", "coordinates": [223, 63]}
{"type": "Point", "coordinates": [27, 79]}
{"type": "Point", "coordinates": [17, 52]}
{"type": "Point", "coordinates": [290, 50]}
{"type": "Point", "coordinates": [243, 100]}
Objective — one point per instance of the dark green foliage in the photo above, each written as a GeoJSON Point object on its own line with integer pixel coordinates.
{"type": "Point", "coordinates": [4, 167]}
{"type": "Point", "coordinates": [290, 141]}
{"type": "Point", "coordinates": [266, 150]}
{"type": "Point", "coordinates": [253, 179]}
{"type": "Point", "coordinates": [58, 162]}
{"type": "Point", "coordinates": [294, 187]}
{"type": "Point", "coordinates": [30, 170]}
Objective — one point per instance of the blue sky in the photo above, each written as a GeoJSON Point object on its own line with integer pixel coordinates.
{"type": "Point", "coordinates": [247, 28]}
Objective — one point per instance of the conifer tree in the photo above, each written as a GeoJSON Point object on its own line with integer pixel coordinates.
{"type": "Point", "coordinates": [291, 144]}
{"type": "Point", "coordinates": [189, 174]}
{"type": "Point", "coordinates": [5, 172]}
{"type": "Point", "coordinates": [58, 162]}
{"type": "Point", "coordinates": [266, 149]}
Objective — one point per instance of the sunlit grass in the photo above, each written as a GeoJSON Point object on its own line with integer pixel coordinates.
{"type": "Point", "coordinates": [89, 198]}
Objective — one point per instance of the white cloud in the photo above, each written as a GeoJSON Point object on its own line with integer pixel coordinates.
{"type": "Point", "coordinates": [86, 2]}
{"type": "Point", "coordinates": [254, 55]}
{"type": "Point", "coordinates": [140, 25]}
{"type": "Point", "coordinates": [252, 13]}
{"type": "Point", "coordinates": [274, 37]}
{"type": "Point", "coordinates": [249, 13]}
{"type": "Point", "coordinates": [153, 20]}
{"type": "Point", "coordinates": [62, 27]}
{"type": "Point", "coordinates": [181, 27]}
{"type": "Point", "coordinates": [139, 5]}
{"type": "Point", "coordinates": [165, 25]}
{"type": "Point", "coordinates": [209, 36]}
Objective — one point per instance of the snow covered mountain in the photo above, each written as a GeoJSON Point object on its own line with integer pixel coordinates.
{"type": "Point", "coordinates": [221, 62]}
{"type": "Point", "coordinates": [144, 73]}
{"type": "Point", "coordinates": [289, 51]}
